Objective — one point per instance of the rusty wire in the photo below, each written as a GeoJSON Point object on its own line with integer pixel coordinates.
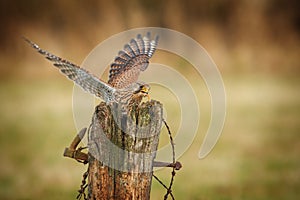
{"type": "Point", "coordinates": [173, 173]}
{"type": "Point", "coordinates": [83, 186]}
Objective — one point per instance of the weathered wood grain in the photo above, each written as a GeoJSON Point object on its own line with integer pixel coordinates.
{"type": "Point", "coordinates": [122, 149]}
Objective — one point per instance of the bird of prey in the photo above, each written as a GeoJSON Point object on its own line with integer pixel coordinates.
{"type": "Point", "coordinates": [122, 86]}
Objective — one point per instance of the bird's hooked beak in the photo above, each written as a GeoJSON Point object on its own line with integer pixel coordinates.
{"type": "Point", "coordinates": [145, 90]}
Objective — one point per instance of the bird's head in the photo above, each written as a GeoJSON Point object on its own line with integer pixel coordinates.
{"type": "Point", "coordinates": [134, 92]}
{"type": "Point", "coordinates": [143, 90]}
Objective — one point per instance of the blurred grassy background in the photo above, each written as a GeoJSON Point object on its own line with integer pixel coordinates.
{"type": "Point", "coordinates": [255, 45]}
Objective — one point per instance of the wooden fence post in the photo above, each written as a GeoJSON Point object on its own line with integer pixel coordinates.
{"type": "Point", "coordinates": [122, 150]}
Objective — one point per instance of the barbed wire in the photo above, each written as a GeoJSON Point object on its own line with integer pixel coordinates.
{"type": "Point", "coordinates": [175, 166]}
{"type": "Point", "coordinates": [83, 186]}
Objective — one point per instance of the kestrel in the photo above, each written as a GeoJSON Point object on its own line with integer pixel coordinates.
{"type": "Point", "coordinates": [122, 86]}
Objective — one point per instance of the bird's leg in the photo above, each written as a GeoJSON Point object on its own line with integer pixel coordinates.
{"type": "Point", "coordinates": [73, 152]}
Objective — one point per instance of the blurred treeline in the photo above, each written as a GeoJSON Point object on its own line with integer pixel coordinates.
{"type": "Point", "coordinates": [241, 35]}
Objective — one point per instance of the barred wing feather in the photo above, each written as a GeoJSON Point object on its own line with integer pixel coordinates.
{"type": "Point", "coordinates": [133, 59]}
{"type": "Point", "coordinates": [80, 76]}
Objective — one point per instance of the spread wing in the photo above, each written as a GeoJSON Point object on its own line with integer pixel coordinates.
{"type": "Point", "coordinates": [81, 77]}
{"type": "Point", "coordinates": [133, 59]}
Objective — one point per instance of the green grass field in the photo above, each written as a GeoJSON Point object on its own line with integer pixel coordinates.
{"type": "Point", "coordinates": [257, 156]}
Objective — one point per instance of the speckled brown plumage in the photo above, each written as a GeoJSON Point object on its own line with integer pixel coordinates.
{"type": "Point", "coordinates": [134, 58]}
{"type": "Point", "coordinates": [122, 85]}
